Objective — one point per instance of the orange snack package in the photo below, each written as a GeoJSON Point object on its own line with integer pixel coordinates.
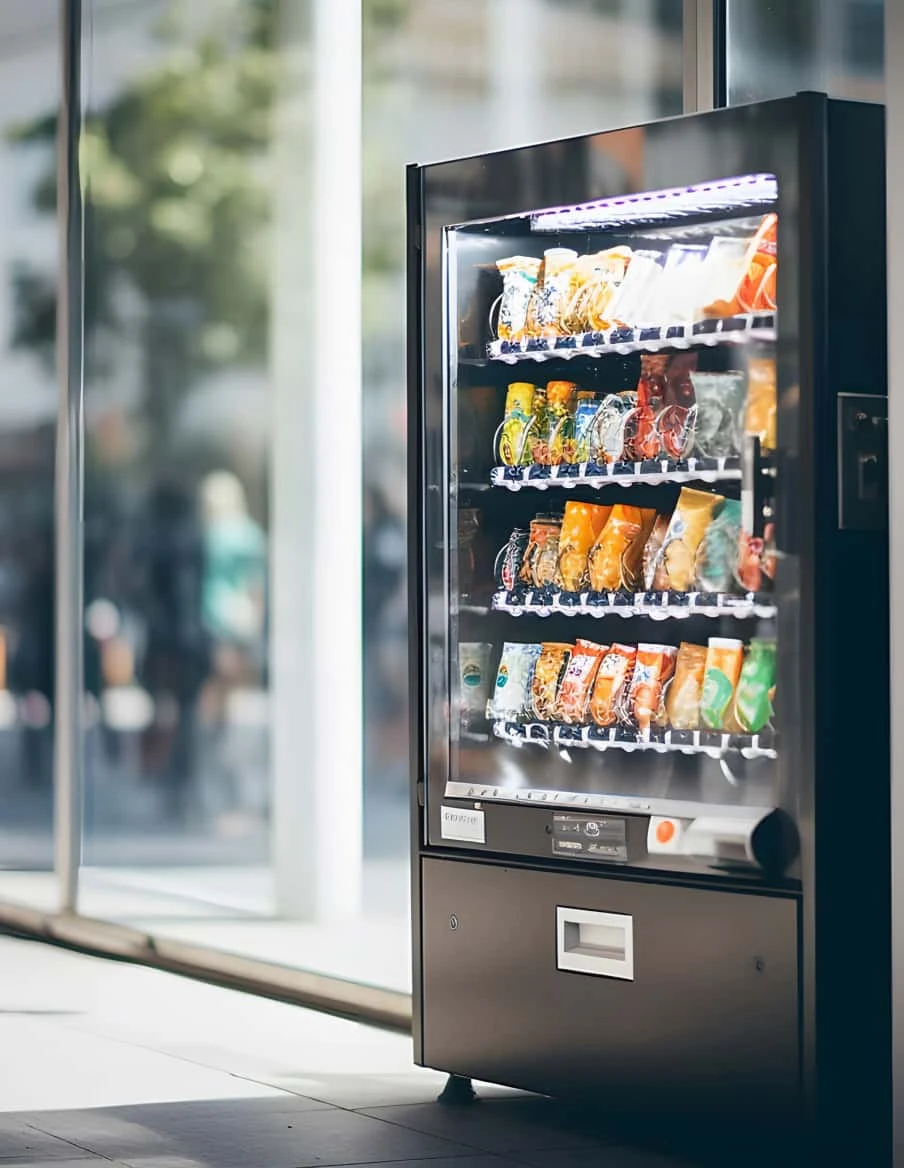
{"type": "Point", "coordinates": [604, 562]}
{"type": "Point", "coordinates": [682, 699]}
{"type": "Point", "coordinates": [652, 549]}
{"type": "Point", "coordinates": [548, 672]}
{"type": "Point", "coordinates": [582, 524]}
{"type": "Point", "coordinates": [612, 678]}
{"type": "Point", "coordinates": [724, 658]}
{"type": "Point", "coordinates": [676, 568]}
{"type": "Point", "coordinates": [577, 682]}
{"type": "Point", "coordinates": [543, 541]}
{"type": "Point", "coordinates": [632, 560]}
{"type": "Point", "coordinates": [654, 666]}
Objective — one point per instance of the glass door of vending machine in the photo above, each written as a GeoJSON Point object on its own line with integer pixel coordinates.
{"type": "Point", "coordinates": [612, 623]}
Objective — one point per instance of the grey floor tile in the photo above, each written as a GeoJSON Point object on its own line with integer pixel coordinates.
{"type": "Point", "coordinates": [494, 1125]}
{"type": "Point", "coordinates": [605, 1157]}
{"type": "Point", "coordinates": [227, 1135]}
{"type": "Point", "coordinates": [20, 1142]}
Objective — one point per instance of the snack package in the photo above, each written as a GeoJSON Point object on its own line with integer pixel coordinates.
{"type": "Point", "coordinates": [584, 419]}
{"type": "Point", "coordinates": [719, 424]}
{"type": "Point", "coordinates": [474, 676]}
{"type": "Point", "coordinates": [632, 559]}
{"type": "Point", "coordinates": [549, 302]}
{"type": "Point", "coordinates": [519, 279]}
{"type": "Point", "coordinates": [604, 563]}
{"type": "Point", "coordinates": [612, 679]}
{"type": "Point", "coordinates": [537, 450]}
{"type": "Point", "coordinates": [721, 275]}
{"type": "Point", "coordinates": [513, 446]}
{"type": "Point", "coordinates": [507, 568]}
{"type": "Point", "coordinates": [637, 289]}
{"type": "Point", "coordinates": [560, 407]}
{"type": "Point", "coordinates": [548, 672]}
{"type": "Point", "coordinates": [541, 526]}
{"type": "Point", "coordinates": [654, 666]}
{"type": "Point", "coordinates": [756, 562]}
{"type": "Point", "coordinates": [752, 707]}
{"type": "Point", "coordinates": [580, 527]}
{"type": "Point", "coordinates": [609, 272]}
{"type": "Point", "coordinates": [652, 550]}
{"type": "Point", "coordinates": [608, 435]}
{"type": "Point", "coordinates": [641, 437]}
{"type": "Point", "coordinates": [757, 292]}
{"type": "Point", "coordinates": [675, 299]}
{"type": "Point", "coordinates": [511, 696]}
{"type": "Point", "coordinates": [676, 568]}
{"type": "Point", "coordinates": [755, 287]}
{"type": "Point", "coordinates": [577, 682]}
{"type": "Point", "coordinates": [717, 555]}
{"type": "Point", "coordinates": [546, 560]}
{"type": "Point", "coordinates": [682, 700]}
{"type": "Point", "coordinates": [760, 415]}
{"type": "Point", "coordinates": [724, 657]}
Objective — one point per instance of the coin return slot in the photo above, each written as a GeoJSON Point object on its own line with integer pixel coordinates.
{"type": "Point", "coordinates": [597, 943]}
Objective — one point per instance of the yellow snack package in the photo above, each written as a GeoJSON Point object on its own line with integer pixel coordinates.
{"type": "Point", "coordinates": [580, 527]}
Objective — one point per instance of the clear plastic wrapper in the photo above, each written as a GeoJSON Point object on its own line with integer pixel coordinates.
{"type": "Point", "coordinates": [513, 435]}
{"type": "Point", "coordinates": [720, 400]}
{"type": "Point", "coordinates": [685, 690]}
{"type": "Point", "coordinates": [584, 421]}
{"type": "Point", "coordinates": [637, 289]}
{"type": "Point", "coordinates": [548, 673]}
{"type": "Point", "coordinates": [674, 300]}
{"type": "Point", "coordinates": [549, 301]}
{"type": "Point", "coordinates": [561, 399]}
{"type": "Point", "coordinates": [654, 666]}
{"type": "Point", "coordinates": [519, 279]}
{"type": "Point", "coordinates": [511, 700]}
{"type": "Point", "coordinates": [474, 677]}
{"type": "Point", "coordinates": [717, 555]}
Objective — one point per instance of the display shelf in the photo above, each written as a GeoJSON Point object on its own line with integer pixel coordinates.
{"type": "Point", "coordinates": [655, 605]}
{"type": "Point", "coordinates": [731, 330]}
{"type": "Point", "coordinates": [596, 474]}
{"type": "Point", "coordinates": [713, 743]}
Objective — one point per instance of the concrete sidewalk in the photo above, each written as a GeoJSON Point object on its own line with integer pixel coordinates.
{"type": "Point", "coordinates": [107, 1063]}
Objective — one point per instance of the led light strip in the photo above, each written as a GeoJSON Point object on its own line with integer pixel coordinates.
{"type": "Point", "coordinates": [726, 194]}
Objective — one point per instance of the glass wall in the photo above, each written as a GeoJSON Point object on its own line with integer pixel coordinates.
{"type": "Point", "coordinates": [28, 404]}
{"type": "Point", "coordinates": [245, 433]}
{"type": "Point", "coordinates": [832, 46]}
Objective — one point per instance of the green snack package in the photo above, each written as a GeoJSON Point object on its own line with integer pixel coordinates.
{"type": "Point", "coordinates": [753, 699]}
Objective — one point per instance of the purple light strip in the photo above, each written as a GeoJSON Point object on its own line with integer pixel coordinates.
{"type": "Point", "coordinates": [731, 192]}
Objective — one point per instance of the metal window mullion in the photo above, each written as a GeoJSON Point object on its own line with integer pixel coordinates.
{"type": "Point", "coordinates": [69, 480]}
{"type": "Point", "coordinates": [699, 40]}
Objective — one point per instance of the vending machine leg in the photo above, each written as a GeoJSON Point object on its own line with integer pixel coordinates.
{"type": "Point", "coordinates": [457, 1090]}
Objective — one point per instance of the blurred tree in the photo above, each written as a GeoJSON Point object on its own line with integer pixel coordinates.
{"type": "Point", "coordinates": [178, 181]}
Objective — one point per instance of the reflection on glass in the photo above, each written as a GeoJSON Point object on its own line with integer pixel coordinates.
{"type": "Point", "coordinates": [775, 49]}
{"type": "Point", "coordinates": [28, 267]}
{"type": "Point", "coordinates": [443, 80]}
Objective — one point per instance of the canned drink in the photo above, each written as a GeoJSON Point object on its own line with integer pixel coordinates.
{"type": "Point", "coordinates": [510, 559]}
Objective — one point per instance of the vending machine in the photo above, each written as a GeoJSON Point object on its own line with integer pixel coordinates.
{"type": "Point", "coordinates": [649, 660]}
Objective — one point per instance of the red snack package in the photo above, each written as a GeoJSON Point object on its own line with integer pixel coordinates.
{"type": "Point", "coordinates": [577, 682]}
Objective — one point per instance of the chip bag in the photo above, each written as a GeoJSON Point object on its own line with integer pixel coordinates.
{"type": "Point", "coordinates": [577, 682]}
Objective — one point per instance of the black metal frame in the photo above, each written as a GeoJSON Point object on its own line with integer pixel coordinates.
{"type": "Point", "coordinates": [824, 328]}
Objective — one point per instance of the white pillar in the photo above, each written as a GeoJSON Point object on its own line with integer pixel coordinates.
{"type": "Point", "coordinates": [516, 67]}
{"type": "Point", "coordinates": [316, 468]}
{"type": "Point", "coordinates": [894, 137]}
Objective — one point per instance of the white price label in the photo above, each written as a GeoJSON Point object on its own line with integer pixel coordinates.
{"type": "Point", "coordinates": [461, 823]}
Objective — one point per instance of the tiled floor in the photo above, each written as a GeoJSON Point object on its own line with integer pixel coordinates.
{"type": "Point", "coordinates": [107, 1063]}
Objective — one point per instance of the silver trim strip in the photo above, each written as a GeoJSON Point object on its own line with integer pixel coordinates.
{"type": "Point", "coordinates": [586, 801]}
